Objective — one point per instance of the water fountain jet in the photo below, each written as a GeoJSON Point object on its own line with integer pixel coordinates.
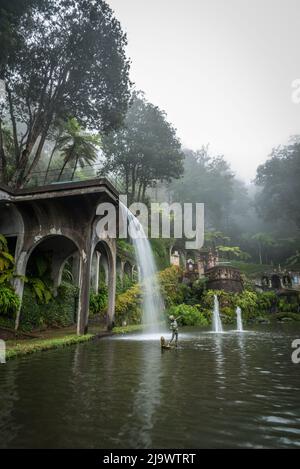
{"type": "Point", "coordinates": [217, 323]}
{"type": "Point", "coordinates": [239, 319]}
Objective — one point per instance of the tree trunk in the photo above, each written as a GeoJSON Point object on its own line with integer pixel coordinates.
{"type": "Point", "coordinates": [126, 181]}
{"type": "Point", "coordinates": [259, 253]}
{"type": "Point", "coordinates": [133, 185]}
{"type": "Point", "coordinates": [14, 126]}
{"type": "Point", "coordinates": [20, 170]}
{"type": "Point", "coordinates": [37, 155]}
{"type": "Point", "coordinates": [3, 162]}
{"type": "Point", "coordinates": [49, 164]}
{"type": "Point", "coordinates": [144, 191]}
{"type": "Point", "coordinates": [139, 192]}
{"type": "Point", "coordinates": [74, 170]}
{"type": "Point", "coordinates": [62, 169]}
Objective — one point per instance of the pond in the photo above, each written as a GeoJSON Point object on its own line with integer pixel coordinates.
{"type": "Point", "coordinates": [216, 390]}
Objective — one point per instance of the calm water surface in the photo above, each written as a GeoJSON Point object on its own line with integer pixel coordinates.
{"type": "Point", "coordinates": [216, 390]}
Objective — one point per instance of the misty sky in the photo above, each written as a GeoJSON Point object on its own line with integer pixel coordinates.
{"type": "Point", "coordinates": [221, 69]}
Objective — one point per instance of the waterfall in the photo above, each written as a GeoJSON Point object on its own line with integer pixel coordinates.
{"type": "Point", "coordinates": [239, 319]}
{"type": "Point", "coordinates": [217, 323]}
{"type": "Point", "coordinates": [153, 304]}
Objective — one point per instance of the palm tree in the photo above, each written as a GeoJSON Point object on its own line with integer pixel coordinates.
{"type": "Point", "coordinates": [77, 147]}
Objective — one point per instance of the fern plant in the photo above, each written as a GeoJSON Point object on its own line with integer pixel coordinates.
{"type": "Point", "coordinates": [40, 290]}
{"type": "Point", "coordinates": [9, 301]}
{"type": "Point", "coordinates": [7, 262]}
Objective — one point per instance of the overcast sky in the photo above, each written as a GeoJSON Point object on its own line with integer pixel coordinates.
{"type": "Point", "coordinates": [221, 69]}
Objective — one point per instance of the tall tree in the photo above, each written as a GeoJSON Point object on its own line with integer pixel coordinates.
{"type": "Point", "coordinates": [70, 62]}
{"type": "Point", "coordinates": [209, 180]}
{"type": "Point", "coordinates": [278, 180]}
{"type": "Point", "coordinates": [10, 14]}
{"type": "Point", "coordinates": [264, 241]}
{"type": "Point", "coordinates": [144, 150]}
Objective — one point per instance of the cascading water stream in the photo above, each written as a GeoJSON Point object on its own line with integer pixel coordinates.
{"type": "Point", "coordinates": [239, 321]}
{"type": "Point", "coordinates": [217, 323]}
{"type": "Point", "coordinates": [153, 304]}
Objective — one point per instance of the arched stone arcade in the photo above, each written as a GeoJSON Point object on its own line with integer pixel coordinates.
{"type": "Point", "coordinates": [61, 218]}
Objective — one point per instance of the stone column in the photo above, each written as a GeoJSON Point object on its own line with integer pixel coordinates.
{"type": "Point", "coordinates": [111, 286]}
{"type": "Point", "coordinates": [56, 271]}
{"type": "Point", "coordinates": [84, 289]}
{"type": "Point", "coordinates": [18, 283]}
{"type": "Point", "coordinates": [96, 271]}
{"type": "Point", "coordinates": [76, 269]}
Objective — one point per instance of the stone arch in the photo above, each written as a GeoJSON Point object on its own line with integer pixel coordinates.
{"type": "Point", "coordinates": [58, 252]}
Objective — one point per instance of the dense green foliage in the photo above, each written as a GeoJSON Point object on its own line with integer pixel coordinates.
{"type": "Point", "coordinates": [9, 301]}
{"type": "Point", "coordinates": [66, 59]}
{"type": "Point", "coordinates": [129, 303]}
{"type": "Point", "coordinates": [10, 13]}
{"type": "Point", "coordinates": [58, 312]}
{"type": "Point", "coordinates": [161, 252]}
{"type": "Point", "coordinates": [209, 180]}
{"type": "Point", "coordinates": [144, 151]}
{"type": "Point", "coordinates": [99, 301]}
{"type": "Point", "coordinates": [7, 262]}
{"type": "Point", "coordinates": [189, 315]}
{"type": "Point", "coordinates": [279, 181]}
{"type": "Point", "coordinates": [129, 306]}
{"type": "Point", "coordinates": [124, 284]}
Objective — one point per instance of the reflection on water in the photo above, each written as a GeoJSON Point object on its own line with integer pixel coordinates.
{"type": "Point", "coordinates": [146, 400]}
{"type": "Point", "coordinates": [215, 390]}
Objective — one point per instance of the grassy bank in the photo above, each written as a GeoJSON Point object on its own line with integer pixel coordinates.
{"type": "Point", "coordinates": [53, 339]}
{"type": "Point", "coordinates": [17, 348]}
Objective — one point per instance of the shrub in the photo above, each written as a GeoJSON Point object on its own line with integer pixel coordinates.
{"type": "Point", "coordinates": [99, 301]}
{"type": "Point", "coordinates": [40, 290]}
{"type": "Point", "coordinates": [60, 311]}
{"type": "Point", "coordinates": [161, 251]}
{"type": "Point", "coordinates": [125, 284]}
{"type": "Point", "coordinates": [9, 301]}
{"type": "Point", "coordinates": [228, 315]}
{"type": "Point", "coordinates": [189, 315]}
{"type": "Point", "coordinates": [266, 300]}
{"type": "Point", "coordinates": [128, 306]}
{"type": "Point", "coordinates": [286, 307]}
{"type": "Point", "coordinates": [247, 301]}
{"type": "Point", "coordinates": [253, 304]}
{"type": "Point", "coordinates": [172, 289]}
